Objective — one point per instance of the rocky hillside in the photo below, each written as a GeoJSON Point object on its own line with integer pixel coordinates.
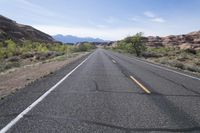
{"type": "Point", "coordinates": [187, 41]}
{"type": "Point", "coordinates": [9, 29]}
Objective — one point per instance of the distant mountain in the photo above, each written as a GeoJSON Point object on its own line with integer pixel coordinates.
{"type": "Point", "coordinates": [74, 39]}
{"type": "Point", "coordinates": [9, 29]}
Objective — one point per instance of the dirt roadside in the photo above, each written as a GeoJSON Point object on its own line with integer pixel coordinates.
{"type": "Point", "coordinates": [18, 78]}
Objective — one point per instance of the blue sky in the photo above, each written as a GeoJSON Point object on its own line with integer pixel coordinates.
{"type": "Point", "coordinates": [107, 19]}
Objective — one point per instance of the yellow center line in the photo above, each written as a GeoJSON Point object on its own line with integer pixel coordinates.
{"type": "Point", "coordinates": [142, 86]}
{"type": "Point", "coordinates": [113, 61]}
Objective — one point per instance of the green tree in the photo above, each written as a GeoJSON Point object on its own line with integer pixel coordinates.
{"type": "Point", "coordinates": [135, 44]}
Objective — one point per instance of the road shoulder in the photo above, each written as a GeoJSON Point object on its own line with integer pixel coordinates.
{"type": "Point", "coordinates": [16, 79]}
{"type": "Point", "coordinates": [159, 65]}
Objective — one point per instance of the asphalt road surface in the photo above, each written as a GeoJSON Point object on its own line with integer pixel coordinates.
{"type": "Point", "coordinates": [105, 92]}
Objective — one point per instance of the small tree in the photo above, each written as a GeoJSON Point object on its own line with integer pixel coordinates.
{"type": "Point", "coordinates": [136, 44]}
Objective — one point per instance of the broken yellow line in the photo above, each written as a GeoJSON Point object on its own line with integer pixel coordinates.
{"type": "Point", "coordinates": [142, 86]}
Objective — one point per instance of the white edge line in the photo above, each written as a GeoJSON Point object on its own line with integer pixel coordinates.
{"type": "Point", "coordinates": [113, 61]}
{"type": "Point", "coordinates": [165, 68]}
{"type": "Point", "coordinates": [21, 115]}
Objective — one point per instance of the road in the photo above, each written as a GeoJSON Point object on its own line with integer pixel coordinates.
{"type": "Point", "coordinates": [107, 92]}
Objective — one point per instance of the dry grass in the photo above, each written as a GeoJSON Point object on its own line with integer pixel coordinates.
{"type": "Point", "coordinates": [182, 59]}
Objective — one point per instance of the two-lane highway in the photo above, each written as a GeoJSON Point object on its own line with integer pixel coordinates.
{"type": "Point", "coordinates": [106, 92]}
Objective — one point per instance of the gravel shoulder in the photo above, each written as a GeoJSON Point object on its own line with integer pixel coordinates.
{"type": "Point", "coordinates": [17, 78]}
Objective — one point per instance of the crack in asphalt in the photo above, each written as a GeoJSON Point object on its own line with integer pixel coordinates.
{"type": "Point", "coordinates": [165, 78]}
{"type": "Point", "coordinates": [97, 89]}
{"type": "Point", "coordinates": [176, 114]}
{"type": "Point", "coordinates": [176, 83]}
{"type": "Point", "coordinates": [126, 74]}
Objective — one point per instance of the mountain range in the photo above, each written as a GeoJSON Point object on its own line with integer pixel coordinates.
{"type": "Point", "coordinates": [75, 39]}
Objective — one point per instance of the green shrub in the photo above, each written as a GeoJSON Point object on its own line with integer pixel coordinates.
{"type": "Point", "coordinates": [162, 50]}
{"type": "Point", "coordinates": [183, 56]}
{"type": "Point", "coordinates": [8, 65]}
{"type": "Point", "coordinates": [191, 51]}
{"type": "Point", "coordinates": [193, 68]}
{"type": "Point", "coordinates": [1, 51]}
{"type": "Point", "coordinates": [177, 64]}
{"type": "Point", "coordinates": [151, 54]}
{"type": "Point", "coordinates": [198, 53]}
{"type": "Point", "coordinates": [83, 47]}
{"type": "Point", "coordinates": [10, 48]}
{"type": "Point", "coordinates": [163, 61]}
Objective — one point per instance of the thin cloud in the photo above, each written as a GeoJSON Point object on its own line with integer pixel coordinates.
{"type": "Point", "coordinates": [135, 19]}
{"type": "Point", "coordinates": [111, 20]}
{"type": "Point", "coordinates": [149, 14]}
{"type": "Point", "coordinates": [153, 17]}
{"type": "Point", "coordinates": [160, 20]}
{"type": "Point", "coordinates": [92, 23]}
{"type": "Point", "coordinates": [101, 26]}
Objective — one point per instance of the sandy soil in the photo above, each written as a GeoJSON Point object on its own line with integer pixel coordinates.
{"type": "Point", "coordinates": [18, 78]}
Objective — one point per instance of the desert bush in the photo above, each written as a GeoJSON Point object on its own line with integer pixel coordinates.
{"type": "Point", "coordinates": [8, 65]}
{"type": "Point", "coordinates": [27, 55]}
{"type": "Point", "coordinates": [151, 54]}
{"type": "Point", "coordinates": [163, 61]}
{"type": "Point", "coordinates": [11, 53]}
{"type": "Point", "coordinates": [83, 47]}
{"type": "Point", "coordinates": [11, 48]}
{"type": "Point", "coordinates": [197, 62]}
{"type": "Point", "coordinates": [191, 51]}
{"type": "Point", "coordinates": [183, 56]}
{"type": "Point", "coordinates": [13, 59]}
{"type": "Point", "coordinates": [27, 49]}
{"type": "Point", "coordinates": [177, 64]}
{"type": "Point", "coordinates": [198, 53]}
{"type": "Point", "coordinates": [165, 51]}
{"type": "Point", "coordinates": [1, 50]}
{"type": "Point", "coordinates": [192, 68]}
{"type": "Point", "coordinates": [41, 48]}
